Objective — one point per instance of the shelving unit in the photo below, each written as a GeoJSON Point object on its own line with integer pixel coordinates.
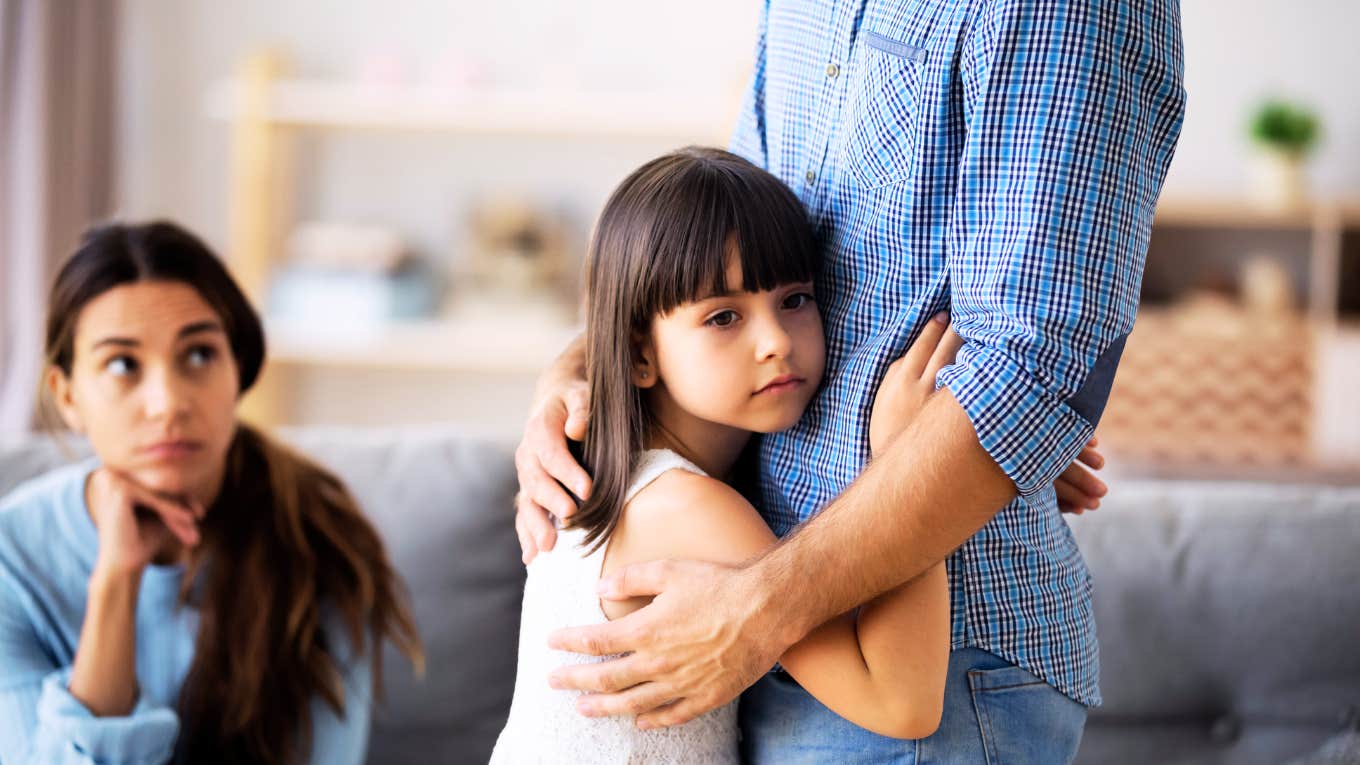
{"type": "Point", "coordinates": [428, 345]}
{"type": "Point", "coordinates": [270, 110]}
{"type": "Point", "coordinates": [1205, 391]}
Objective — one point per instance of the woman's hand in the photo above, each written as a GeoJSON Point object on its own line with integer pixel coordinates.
{"type": "Point", "coordinates": [910, 380]}
{"type": "Point", "coordinates": [136, 525]}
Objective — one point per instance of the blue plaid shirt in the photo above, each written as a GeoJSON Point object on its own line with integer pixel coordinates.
{"type": "Point", "coordinates": [999, 159]}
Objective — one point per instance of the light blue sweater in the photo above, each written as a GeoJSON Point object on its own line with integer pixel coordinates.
{"type": "Point", "coordinates": [47, 551]}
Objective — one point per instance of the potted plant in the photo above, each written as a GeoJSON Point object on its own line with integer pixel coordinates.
{"type": "Point", "coordinates": [1282, 134]}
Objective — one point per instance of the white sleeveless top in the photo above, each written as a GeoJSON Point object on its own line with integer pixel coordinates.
{"type": "Point", "coordinates": [544, 726]}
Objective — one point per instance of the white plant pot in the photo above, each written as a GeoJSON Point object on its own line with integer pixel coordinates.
{"type": "Point", "coordinates": [1276, 180]}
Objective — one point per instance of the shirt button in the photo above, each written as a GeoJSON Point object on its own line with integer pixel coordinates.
{"type": "Point", "coordinates": [832, 70]}
{"type": "Point", "coordinates": [811, 176]}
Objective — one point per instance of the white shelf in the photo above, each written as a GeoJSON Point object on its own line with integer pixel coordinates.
{"type": "Point", "coordinates": [452, 345]}
{"type": "Point", "coordinates": [340, 104]}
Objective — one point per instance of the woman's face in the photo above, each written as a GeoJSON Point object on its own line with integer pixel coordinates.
{"type": "Point", "coordinates": [153, 385]}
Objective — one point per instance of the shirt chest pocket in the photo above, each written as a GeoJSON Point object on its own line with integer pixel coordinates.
{"type": "Point", "coordinates": [881, 123]}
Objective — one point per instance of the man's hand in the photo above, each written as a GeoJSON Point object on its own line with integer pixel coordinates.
{"type": "Point", "coordinates": [710, 633]}
{"type": "Point", "coordinates": [560, 411]}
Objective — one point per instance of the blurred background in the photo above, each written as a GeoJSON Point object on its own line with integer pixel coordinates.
{"type": "Point", "coordinates": [406, 187]}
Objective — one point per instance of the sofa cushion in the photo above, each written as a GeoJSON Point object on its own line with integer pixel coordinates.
{"type": "Point", "coordinates": [1227, 617]}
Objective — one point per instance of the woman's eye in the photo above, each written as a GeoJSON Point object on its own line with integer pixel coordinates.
{"type": "Point", "coordinates": [121, 366]}
{"type": "Point", "coordinates": [201, 355]}
{"type": "Point", "coordinates": [797, 300]}
{"type": "Point", "coordinates": [722, 319]}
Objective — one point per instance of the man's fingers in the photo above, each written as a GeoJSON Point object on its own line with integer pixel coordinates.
{"type": "Point", "coordinates": [578, 413]}
{"type": "Point", "coordinates": [944, 354]}
{"type": "Point", "coordinates": [536, 522]}
{"type": "Point", "coordinates": [918, 355]}
{"type": "Point", "coordinates": [599, 677]}
{"type": "Point", "coordinates": [563, 467]}
{"type": "Point", "coordinates": [638, 699]}
{"type": "Point", "coordinates": [595, 640]}
{"type": "Point", "coordinates": [678, 713]}
{"type": "Point", "coordinates": [637, 580]}
{"type": "Point", "coordinates": [542, 490]}
{"type": "Point", "coordinates": [527, 548]}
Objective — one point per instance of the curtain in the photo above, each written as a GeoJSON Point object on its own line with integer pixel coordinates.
{"type": "Point", "coordinates": [57, 85]}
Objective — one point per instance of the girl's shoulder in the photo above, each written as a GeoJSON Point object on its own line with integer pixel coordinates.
{"type": "Point", "coordinates": [684, 514]}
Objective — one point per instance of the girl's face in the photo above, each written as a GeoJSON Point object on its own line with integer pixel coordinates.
{"type": "Point", "coordinates": [746, 360]}
{"type": "Point", "coordinates": [153, 385]}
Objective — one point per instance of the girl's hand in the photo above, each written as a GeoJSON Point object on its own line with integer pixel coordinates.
{"type": "Point", "coordinates": [910, 380]}
{"type": "Point", "coordinates": [136, 525]}
{"type": "Point", "coordinates": [1078, 488]}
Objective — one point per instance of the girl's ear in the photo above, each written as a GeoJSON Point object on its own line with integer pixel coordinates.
{"type": "Point", "coordinates": [644, 362]}
{"type": "Point", "coordinates": [59, 386]}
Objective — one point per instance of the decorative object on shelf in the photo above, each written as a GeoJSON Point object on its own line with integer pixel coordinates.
{"type": "Point", "coordinates": [1265, 288]}
{"type": "Point", "coordinates": [517, 248]}
{"type": "Point", "coordinates": [1282, 134]}
{"type": "Point", "coordinates": [342, 275]}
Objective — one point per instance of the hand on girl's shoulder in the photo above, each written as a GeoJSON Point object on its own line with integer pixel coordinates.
{"type": "Point", "coordinates": [685, 515]}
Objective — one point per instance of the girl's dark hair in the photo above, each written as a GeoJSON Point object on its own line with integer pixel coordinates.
{"type": "Point", "coordinates": [663, 239]}
{"type": "Point", "coordinates": [286, 551]}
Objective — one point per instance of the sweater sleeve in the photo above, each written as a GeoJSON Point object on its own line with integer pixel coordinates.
{"type": "Point", "coordinates": [42, 723]}
{"type": "Point", "coordinates": [343, 739]}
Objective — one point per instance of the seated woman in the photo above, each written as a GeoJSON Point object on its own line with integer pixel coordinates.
{"type": "Point", "coordinates": [195, 592]}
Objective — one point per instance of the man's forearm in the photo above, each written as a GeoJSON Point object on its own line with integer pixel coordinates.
{"type": "Point", "coordinates": [932, 489]}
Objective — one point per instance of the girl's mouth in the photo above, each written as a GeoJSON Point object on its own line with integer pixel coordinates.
{"type": "Point", "coordinates": [781, 384]}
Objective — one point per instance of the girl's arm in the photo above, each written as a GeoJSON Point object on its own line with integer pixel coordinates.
{"type": "Point", "coordinates": [881, 666]}
{"type": "Point", "coordinates": [882, 669]}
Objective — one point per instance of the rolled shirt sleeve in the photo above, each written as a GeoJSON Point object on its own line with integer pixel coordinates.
{"type": "Point", "coordinates": [69, 733]}
{"type": "Point", "coordinates": [1072, 113]}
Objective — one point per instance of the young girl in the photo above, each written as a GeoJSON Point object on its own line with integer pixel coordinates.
{"type": "Point", "coordinates": [196, 591]}
{"type": "Point", "coordinates": [702, 330]}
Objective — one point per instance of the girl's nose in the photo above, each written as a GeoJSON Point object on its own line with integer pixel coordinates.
{"type": "Point", "coordinates": [775, 341]}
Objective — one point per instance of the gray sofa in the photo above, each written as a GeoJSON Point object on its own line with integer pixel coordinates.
{"type": "Point", "coordinates": [1229, 614]}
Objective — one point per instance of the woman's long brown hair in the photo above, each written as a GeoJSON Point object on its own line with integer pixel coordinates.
{"type": "Point", "coordinates": [291, 581]}
{"type": "Point", "coordinates": [663, 239]}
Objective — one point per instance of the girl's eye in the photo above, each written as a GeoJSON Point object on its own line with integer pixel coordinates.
{"type": "Point", "coordinates": [722, 319]}
{"type": "Point", "coordinates": [201, 355]}
{"type": "Point", "coordinates": [121, 366]}
{"type": "Point", "coordinates": [797, 300]}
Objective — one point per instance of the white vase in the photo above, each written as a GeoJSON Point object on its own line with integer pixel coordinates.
{"type": "Point", "coordinates": [1276, 180]}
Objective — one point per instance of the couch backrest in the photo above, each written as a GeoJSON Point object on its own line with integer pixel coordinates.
{"type": "Point", "coordinates": [1228, 618]}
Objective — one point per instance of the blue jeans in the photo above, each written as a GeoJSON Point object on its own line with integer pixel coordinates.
{"type": "Point", "coordinates": [994, 713]}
